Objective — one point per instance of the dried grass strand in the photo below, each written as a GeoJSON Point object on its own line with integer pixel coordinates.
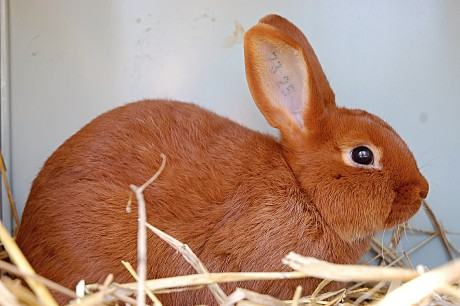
{"type": "Point", "coordinates": [338, 298]}
{"type": "Point", "coordinates": [320, 287]}
{"type": "Point", "coordinates": [21, 262]}
{"type": "Point", "coordinates": [387, 254]}
{"type": "Point", "coordinates": [413, 249]}
{"type": "Point", "coordinates": [308, 267]}
{"type": "Point", "coordinates": [261, 299]}
{"type": "Point", "coordinates": [7, 298]}
{"type": "Point", "coordinates": [439, 229]}
{"type": "Point", "coordinates": [149, 293]}
{"type": "Point", "coordinates": [451, 291]}
{"type": "Point", "coordinates": [345, 273]}
{"type": "Point", "coordinates": [370, 293]}
{"type": "Point", "coordinates": [22, 294]}
{"type": "Point", "coordinates": [95, 299]}
{"type": "Point", "coordinates": [191, 258]}
{"type": "Point", "coordinates": [141, 233]}
{"type": "Point", "coordinates": [422, 286]}
{"type": "Point", "coordinates": [211, 278]}
{"type": "Point", "coordinates": [9, 194]}
{"type": "Point", "coordinates": [297, 295]}
{"type": "Point", "coordinates": [5, 266]}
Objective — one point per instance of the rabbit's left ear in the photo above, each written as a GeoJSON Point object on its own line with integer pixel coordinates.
{"type": "Point", "coordinates": [284, 76]}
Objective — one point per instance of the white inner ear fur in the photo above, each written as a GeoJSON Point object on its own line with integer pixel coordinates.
{"type": "Point", "coordinates": [284, 76]}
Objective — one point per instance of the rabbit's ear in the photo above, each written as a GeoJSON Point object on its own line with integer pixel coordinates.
{"type": "Point", "coordinates": [285, 77]}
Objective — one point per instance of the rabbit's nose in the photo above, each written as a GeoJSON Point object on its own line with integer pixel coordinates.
{"type": "Point", "coordinates": [424, 187]}
{"type": "Point", "coordinates": [423, 194]}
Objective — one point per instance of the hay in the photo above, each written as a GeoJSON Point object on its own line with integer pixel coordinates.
{"type": "Point", "coordinates": [9, 194]}
{"type": "Point", "coordinates": [394, 281]}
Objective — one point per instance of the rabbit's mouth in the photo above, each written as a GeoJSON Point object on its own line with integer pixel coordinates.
{"type": "Point", "coordinates": [402, 211]}
{"type": "Point", "coordinates": [408, 199]}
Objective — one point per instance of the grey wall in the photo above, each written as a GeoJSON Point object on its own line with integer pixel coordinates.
{"type": "Point", "coordinates": [71, 60]}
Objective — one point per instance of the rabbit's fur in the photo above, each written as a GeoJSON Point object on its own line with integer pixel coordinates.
{"type": "Point", "coordinates": [240, 199]}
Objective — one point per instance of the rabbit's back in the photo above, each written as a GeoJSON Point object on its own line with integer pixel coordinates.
{"type": "Point", "coordinates": [75, 222]}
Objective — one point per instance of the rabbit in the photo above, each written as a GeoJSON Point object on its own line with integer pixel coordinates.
{"type": "Point", "coordinates": [239, 198]}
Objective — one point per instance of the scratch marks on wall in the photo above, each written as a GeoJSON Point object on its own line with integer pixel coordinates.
{"type": "Point", "coordinates": [236, 37]}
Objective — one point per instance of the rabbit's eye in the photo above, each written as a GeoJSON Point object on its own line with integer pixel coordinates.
{"type": "Point", "coordinates": [362, 155]}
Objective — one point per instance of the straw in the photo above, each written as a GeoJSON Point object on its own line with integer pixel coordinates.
{"type": "Point", "coordinates": [417, 289]}
{"type": "Point", "coordinates": [18, 258]}
{"type": "Point", "coordinates": [191, 258]}
{"type": "Point", "coordinates": [8, 192]}
{"type": "Point", "coordinates": [142, 235]}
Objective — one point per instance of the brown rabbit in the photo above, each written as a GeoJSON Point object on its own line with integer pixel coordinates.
{"type": "Point", "coordinates": [240, 199]}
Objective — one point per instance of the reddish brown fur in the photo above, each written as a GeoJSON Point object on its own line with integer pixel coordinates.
{"type": "Point", "coordinates": [241, 199]}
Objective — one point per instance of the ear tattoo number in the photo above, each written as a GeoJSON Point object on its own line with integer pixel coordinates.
{"type": "Point", "coordinates": [286, 91]}
{"type": "Point", "coordinates": [283, 82]}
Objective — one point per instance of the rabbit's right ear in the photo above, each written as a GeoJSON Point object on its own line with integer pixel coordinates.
{"type": "Point", "coordinates": [284, 76]}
